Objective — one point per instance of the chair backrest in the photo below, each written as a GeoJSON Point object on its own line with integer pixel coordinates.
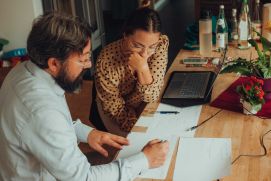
{"type": "Point", "coordinates": [94, 116]}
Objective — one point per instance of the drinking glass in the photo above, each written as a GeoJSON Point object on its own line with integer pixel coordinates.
{"type": "Point", "coordinates": [205, 37]}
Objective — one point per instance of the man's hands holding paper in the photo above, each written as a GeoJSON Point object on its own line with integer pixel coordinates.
{"type": "Point", "coordinates": [96, 139]}
{"type": "Point", "coordinates": [156, 152]}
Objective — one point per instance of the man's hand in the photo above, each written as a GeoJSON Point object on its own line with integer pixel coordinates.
{"type": "Point", "coordinates": [156, 152]}
{"type": "Point", "coordinates": [97, 138]}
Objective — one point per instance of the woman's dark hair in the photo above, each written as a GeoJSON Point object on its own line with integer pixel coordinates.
{"type": "Point", "coordinates": [145, 19]}
{"type": "Point", "coordinates": [56, 35]}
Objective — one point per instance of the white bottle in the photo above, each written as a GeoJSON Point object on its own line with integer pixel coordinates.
{"type": "Point", "coordinates": [244, 27]}
{"type": "Point", "coordinates": [256, 21]}
{"type": "Point", "coordinates": [221, 30]}
{"type": "Point", "coordinates": [234, 28]}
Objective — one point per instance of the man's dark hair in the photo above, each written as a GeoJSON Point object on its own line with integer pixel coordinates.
{"type": "Point", "coordinates": [145, 19]}
{"type": "Point", "coordinates": [56, 35]}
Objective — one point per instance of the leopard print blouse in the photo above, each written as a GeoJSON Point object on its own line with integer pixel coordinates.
{"type": "Point", "coordinates": [118, 89]}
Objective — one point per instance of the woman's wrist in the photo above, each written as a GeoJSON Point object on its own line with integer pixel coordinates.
{"type": "Point", "coordinates": [144, 76]}
{"type": "Point", "coordinates": [143, 68]}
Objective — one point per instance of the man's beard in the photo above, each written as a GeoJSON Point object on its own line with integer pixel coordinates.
{"type": "Point", "coordinates": [65, 83]}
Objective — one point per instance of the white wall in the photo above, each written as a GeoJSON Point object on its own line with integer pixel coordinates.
{"type": "Point", "coordinates": [16, 18]}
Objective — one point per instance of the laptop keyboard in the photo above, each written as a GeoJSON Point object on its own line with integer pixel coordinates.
{"type": "Point", "coordinates": [194, 85]}
{"type": "Point", "coordinates": [189, 85]}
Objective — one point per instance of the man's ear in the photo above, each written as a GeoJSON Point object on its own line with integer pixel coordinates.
{"type": "Point", "coordinates": [53, 66]}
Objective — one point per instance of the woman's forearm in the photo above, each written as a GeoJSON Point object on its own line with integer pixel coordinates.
{"type": "Point", "coordinates": [144, 76]}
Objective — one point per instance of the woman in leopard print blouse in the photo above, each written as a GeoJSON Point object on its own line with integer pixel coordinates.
{"type": "Point", "coordinates": [131, 71]}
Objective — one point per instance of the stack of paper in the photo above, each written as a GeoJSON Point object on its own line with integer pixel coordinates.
{"type": "Point", "coordinates": [172, 124]}
{"type": "Point", "coordinates": [202, 159]}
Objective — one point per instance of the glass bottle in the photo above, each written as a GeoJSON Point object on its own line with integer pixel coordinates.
{"type": "Point", "coordinates": [256, 21]}
{"type": "Point", "coordinates": [234, 27]}
{"type": "Point", "coordinates": [244, 27]}
{"type": "Point", "coordinates": [221, 30]}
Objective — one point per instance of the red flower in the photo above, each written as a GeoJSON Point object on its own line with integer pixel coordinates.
{"type": "Point", "coordinates": [260, 94]}
{"type": "Point", "coordinates": [248, 87]}
{"type": "Point", "coordinates": [254, 78]}
{"type": "Point", "coordinates": [251, 90]}
{"type": "Point", "coordinates": [260, 82]}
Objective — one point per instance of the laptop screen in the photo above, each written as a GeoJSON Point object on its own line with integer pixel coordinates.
{"type": "Point", "coordinates": [186, 87]}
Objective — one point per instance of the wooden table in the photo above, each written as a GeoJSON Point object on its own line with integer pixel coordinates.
{"type": "Point", "coordinates": [244, 131]}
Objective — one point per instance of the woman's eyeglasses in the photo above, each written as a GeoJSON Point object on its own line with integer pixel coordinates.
{"type": "Point", "coordinates": [86, 63]}
{"type": "Point", "coordinates": [141, 48]}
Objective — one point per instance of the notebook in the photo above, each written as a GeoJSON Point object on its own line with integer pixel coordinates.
{"type": "Point", "coordinates": [188, 88]}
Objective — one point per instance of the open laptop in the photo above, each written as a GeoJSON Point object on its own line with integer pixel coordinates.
{"type": "Point", "coordinates": [188, 88]}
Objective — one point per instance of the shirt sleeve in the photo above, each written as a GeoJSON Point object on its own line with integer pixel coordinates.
{"type": "Point", "coordinates": [51, 139]}
{"type": "Point", "coordinates": [109, 95]}
{"type": "Point", "coordinates": [157, 64]}
{"type": "Point", "coordinates": [81, 130]}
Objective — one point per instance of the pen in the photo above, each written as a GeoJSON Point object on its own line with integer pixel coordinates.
{"type": "Point", "coordinates": [162, 141]}
{"type": "Point", "coordinates": [168, 112]}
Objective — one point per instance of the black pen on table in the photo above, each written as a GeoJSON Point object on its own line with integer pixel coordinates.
{"type": "Point", "coordinates": [168, 112]}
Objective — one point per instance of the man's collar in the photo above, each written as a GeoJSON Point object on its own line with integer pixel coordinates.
{"type": "Point", "coordinates": [42, 74]}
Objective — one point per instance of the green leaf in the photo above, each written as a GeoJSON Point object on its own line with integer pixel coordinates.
{"type": "Point", "coordinates": [237, 69]}
{"type": "Point", "coordinates": [255, 44]}
{"type": "Point", "coordinates": [239, 66]}
{"type": "Point", "coordinates": [3, 41]}
{"type": "Point", "coordinates": [267, 73]}
{"type": "Point", "coordinates": [244, 89]}
{"type": "Point", "coordinates": [261, 67]}
{"type": "Point", "coordinates": [238, 89]}
{"type": "Point", "coordinates": [264, 69]}
{"type": "Point", "coordinates": [258, 72]}
{"type": "Point", "coordinates": [266, 43]}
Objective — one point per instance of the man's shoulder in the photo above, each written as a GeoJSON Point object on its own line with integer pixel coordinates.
{"type": "Point", "coordinates": [28, 89]}
{"type": "Point", "coordinates": [36, 97]}
{"type": "Point", "coordinates": [25, 82]}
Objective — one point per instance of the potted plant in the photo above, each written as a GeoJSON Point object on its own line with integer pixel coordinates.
{"type": "Point", "coordinates": [251, 95]}
{"type": "Point", "coordinates": [259, 67]}
{"type": "Point", "coordinates": [2, 43]}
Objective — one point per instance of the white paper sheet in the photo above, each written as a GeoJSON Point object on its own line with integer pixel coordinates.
{"type": "Point", "coordinates": [138, 141]}
{"type": "Point", "coordinates": [146, 121]}
{"type": "Point", "coordinates": [176, 124]}
{"type": "Point", "coordinates": [202, 159]}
